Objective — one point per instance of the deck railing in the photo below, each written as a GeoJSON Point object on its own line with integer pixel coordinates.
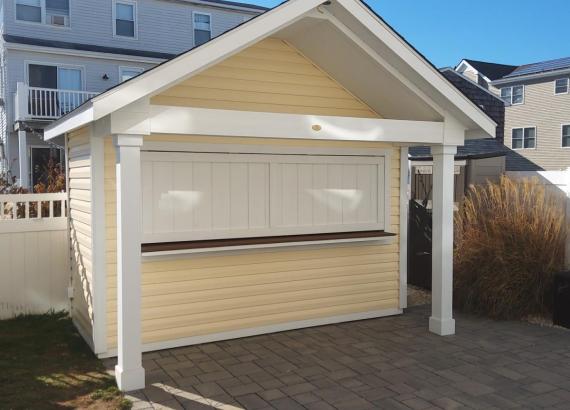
{"type": "Point", "coordinates": [47, 103]}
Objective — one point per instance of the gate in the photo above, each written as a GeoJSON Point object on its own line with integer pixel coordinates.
{"type": "Point", "coordinates": [419, 246]}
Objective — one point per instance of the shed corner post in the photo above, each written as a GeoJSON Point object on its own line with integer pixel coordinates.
{"type": "Point", "coordinates": [441, 321]}
{"type": "Point", "coordinates": [129, 372]}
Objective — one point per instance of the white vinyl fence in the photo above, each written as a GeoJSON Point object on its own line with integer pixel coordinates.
{"type": "Point", "coordinates": [34, 254]}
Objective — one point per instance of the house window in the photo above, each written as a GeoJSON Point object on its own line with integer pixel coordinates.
{"type": "Point", "coordinates": [561, 86]}
{"type": "Point", "coordinates": [524, 138]}
{"type": "Point", "coordinates": [566, 135]}
{"type": "Point", "coordinates": [513, 95]}
{"type": "Point", "coordinates": [54, 89]}
{"type": "Point", "coordinates": [52, 12]}
{"type": "Point", "coordinates": [202, 28]}
{"type": "Point", "coordinates": [29, 10]}
{"type": "Point", "coordinates": [125, 19]}
{"type": "Point", "coordinates": [126, 73]}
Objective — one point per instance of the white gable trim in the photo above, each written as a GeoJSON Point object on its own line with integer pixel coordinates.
{"type": "Point", "coordinates": [174, 71]}
{"type": "Point", "coordinates": [466, 63]}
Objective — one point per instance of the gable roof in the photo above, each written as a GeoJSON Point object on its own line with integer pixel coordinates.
{"type": "Point", "coordinates": [490, 70]}
{"type": "Point", "coordinates": [356, 22]}
{"type": "Point", "coordinates": [541, 67]}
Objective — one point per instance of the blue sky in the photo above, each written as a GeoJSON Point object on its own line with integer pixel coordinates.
{"type": "Point", "coordinates": [503, 31]}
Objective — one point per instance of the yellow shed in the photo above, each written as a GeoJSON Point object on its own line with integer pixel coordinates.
{"type": "Point", "coordinates": [258, 183]}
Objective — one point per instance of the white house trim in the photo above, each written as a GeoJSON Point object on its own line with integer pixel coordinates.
{"type": "Point", "coordinates": [202, 121]}
{"type": "Point", "coordinates": [404, 209]}
{"type": "Point", "coordinates": [441, 321]}
{"type": "Point", "coordinates": [82, 53]}
{"type": "Point", "coordinates": [282, 327]}
{"type": "Point", "coordinates": [518, 79]}
{"type": "Point", "coordinates": [232, 250]}
{"type": "Point", "coordinates": [98, 226]}
{"type": "Point", "coordinates": [129, 372]}
{"type": "Point", "coordinates": [174, 71]}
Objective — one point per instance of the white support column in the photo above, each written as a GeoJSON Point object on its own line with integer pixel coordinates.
{"type": "Point", "coordinates": [441, 321]}
{"type": "Point", "coordinates": [129, 371]}
{"type": "Point", "coordinates": [23, 159]}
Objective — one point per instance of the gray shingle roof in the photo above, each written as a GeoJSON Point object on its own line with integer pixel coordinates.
{"type": "Point", "coordinates": [542, 67]}
{"type": "Point", "coordinates": [473, 149]}
{"type": "Point", "coordinates": [491, 70]}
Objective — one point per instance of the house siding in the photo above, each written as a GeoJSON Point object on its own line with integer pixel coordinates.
{"type": "Point", "coordinates": [189, 296]}
{"type": "Point", "coordinates": [271, 76]}
{"type": "Point", "coordinates": [547, 112]}
{"type": "Point", "coordinates": [206, 294]}
{"type": "Point", "coordinates": [80, 199]}
{"type": "Point", "coordinates": [91, 22]}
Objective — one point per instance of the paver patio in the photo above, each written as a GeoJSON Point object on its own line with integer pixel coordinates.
{"type": "Point", "coordinates": [374, 364]}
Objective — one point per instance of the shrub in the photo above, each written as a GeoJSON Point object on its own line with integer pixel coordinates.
{"type": "Point", "coordinates": [510, 239]}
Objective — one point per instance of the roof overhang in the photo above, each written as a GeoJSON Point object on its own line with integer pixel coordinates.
{"type": "Point", "coordinates": [537, 76]}
{"type": "Point", "coordinates": [370, 59]}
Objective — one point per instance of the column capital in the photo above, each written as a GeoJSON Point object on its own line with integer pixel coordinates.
{"type": "Point", "coordinates": [127, 140]}
{"type": "Point", "coordinates": [443, 150]}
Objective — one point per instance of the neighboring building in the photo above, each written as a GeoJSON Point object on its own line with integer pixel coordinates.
{"type": "Point", "coordinates": [56, 54]}
{"type": "Point", "coordinates": [478, 161]}
{"type": "Point", "coordinates": [537, 119]}
{"type": "Point", "coordinates": [537, 111]}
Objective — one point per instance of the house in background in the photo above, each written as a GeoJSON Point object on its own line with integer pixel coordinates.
{"type": "Point", "coordinates": [57, 54]}
{"type": "Point", "coordinates": [537, 111]}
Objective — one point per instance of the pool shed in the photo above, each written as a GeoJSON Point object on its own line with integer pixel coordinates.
{"type": "Point", "coordinates": [258, 183]}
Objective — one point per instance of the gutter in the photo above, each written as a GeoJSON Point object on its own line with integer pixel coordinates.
{"type": "Point", "coordinates": [545, 74]}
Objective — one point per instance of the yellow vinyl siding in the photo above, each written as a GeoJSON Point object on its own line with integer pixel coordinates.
{"type": "Point", "coordinates": [271, 76]}
{"type": "Point", "coordinates": [79, 154]}
{"type": "Point", "coordinates": [203, 294]}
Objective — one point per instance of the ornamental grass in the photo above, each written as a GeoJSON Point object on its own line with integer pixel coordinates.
{"type": "Point", "coordinates": [510, 239]}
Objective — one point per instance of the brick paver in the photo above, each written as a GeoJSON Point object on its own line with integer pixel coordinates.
{"type": "Point", "coordinates": [387, 363]}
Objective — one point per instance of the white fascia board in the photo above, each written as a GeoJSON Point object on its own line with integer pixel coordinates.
{"type": "Point", "coordinates": [199, 59]}
{"type": "Point", "coordinates": [73, 121]}
{"type": "Point", "coordinates": [429, 73]}
{"type": "Point", "coordinates": [473, 68]}
{"type": "Point", "coordinates": [537, 76]}
{"type": "Point", "coordinates": [82, 53]}
{"type": "Point", "coordinates": [204, 121]}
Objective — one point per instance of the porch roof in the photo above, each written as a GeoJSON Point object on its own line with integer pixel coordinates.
{"type": "Point", "coordinates": [370, 59]}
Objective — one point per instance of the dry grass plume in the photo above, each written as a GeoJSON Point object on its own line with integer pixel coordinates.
{"type": "Point", "coordinates": [510, 240]}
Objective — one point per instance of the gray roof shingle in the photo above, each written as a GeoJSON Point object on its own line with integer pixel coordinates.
{"type": "Point", "coordinates": [542, 67]}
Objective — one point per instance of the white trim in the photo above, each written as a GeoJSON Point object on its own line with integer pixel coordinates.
{"type": "Point", "coordinates": [259, 149]}
{"type": "Point", "coordinates": [523, 147]}
{"type": "Point", "coordinates": [512, 87]}
{"type": "Point", "coordinates": [567, 85]}
{"type": "Point", "coordinates": [465, 62]}
{"type": "Point", "coordinates": [562, 135]}
{"type": "Point", "coordinates": [82, 53]}
{"type": "Point", "coordinates": [403, 229]}
{"type": "Point", "coordinates": [79, 67]}
{"type": "Point", "coordinates": [282, 327]}
{"type": "Point", "coordinates": [236, 6]}
{"type": "Point", "coordinates": [124, 68]}
{"type": "Point", "coordinates": [547, 74]}
{"type": "Point", "coordinates": [229, 250]}
{"type": "Point", "coordinates": [82, 116]}
{"type": "Point", "coordinates": [205, 121]}
{"type": "Point", "coordinates": [135, 21]}
{"type": "Point", "coordinates": [201, 13]}
{"type": "Point", "coordinates": [43, 17]}
{"type": "Point", "coordinates": [98, 224]}
{"type": "Point", "coordinates": [221, 47]}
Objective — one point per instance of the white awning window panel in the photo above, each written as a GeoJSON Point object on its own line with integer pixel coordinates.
{"type": "Point", "coordinates": [199, 196]}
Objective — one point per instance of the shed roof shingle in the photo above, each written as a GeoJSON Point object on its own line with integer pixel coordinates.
{"type": "Point", "coordinates": [491, 70]}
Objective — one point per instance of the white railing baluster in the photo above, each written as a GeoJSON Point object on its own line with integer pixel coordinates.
{"type": "Point", "coordinates": [50, 209]}
{"type": "Point", "coordinates": [14, 210]}
{"type": "Point", "coordinates": [26, 210]}
{"type": "Point", "coordinates": [47, 103]}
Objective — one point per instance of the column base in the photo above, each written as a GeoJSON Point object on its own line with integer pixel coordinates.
{"type": "Point", "coordinates": [129, 380]}
{"type": "Point", "coordinates": [442, 327]}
